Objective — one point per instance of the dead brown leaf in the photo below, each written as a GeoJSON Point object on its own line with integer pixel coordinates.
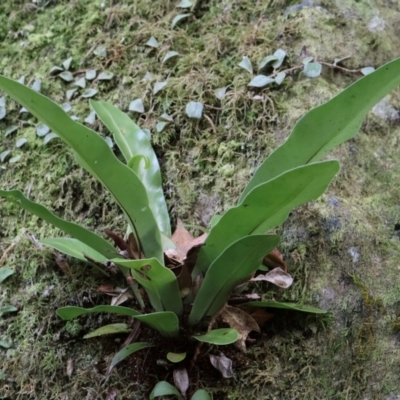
{"type": "Point", "coordinates": [184, 278]}
{"type": "Point", "coordinates": [240, 320]}
{"type": "Point", "coordinates": [183, 241]}
{"type": "Point", "coordinates": [261, 316]}
{"type": "Point", "coordinates": [118, 240]}
{"type": "Point", "coordinates": [277, 276]}
{"type": "Point", "coordinates": [275, 260]}
{"type": "Point", "coordinates": [223, 364]}
{"type": "Point", "coordinates": [181, 380]}
{"type": "Point", "coordinates": [133, 248]}
{"type": "Point", "coordinates": [62, 263]}
{"type": "Point", "coordinates": [122, 297]}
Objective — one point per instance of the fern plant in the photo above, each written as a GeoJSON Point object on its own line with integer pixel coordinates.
{"type": "Point", "coordinates": [189, 283]}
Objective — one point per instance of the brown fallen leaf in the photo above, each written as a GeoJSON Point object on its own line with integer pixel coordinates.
{"type": "Point", "coordinates": [121, 298]}
{"type": "Point", "coordinates": [243, 298]}
{"type": "Point", "coordinates": [181, 380]}
{"type": "Point", "coordinates": [70, 367]}
{"type": "Point", "coordinates": [62, 263]}
{"type": "Point", "coordinates": [133, 248]}
{"type": "Point", "coordinates": [261, 316]}
{"type": "Point", "coordinates": [240, 320]}
{"type": "Point", "coordinates": [223, 364]}
{"type": "Point", "coordinates": [183, 241]}
{"type": "Point", "coordinates": [118, 240]}
{"type": "Point", "coordinates": [274, 260]}
{"type": "Point", "coordinates": [277, 276]}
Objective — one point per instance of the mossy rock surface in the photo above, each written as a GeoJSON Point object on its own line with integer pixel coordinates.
{"type": "Point", "coordinates": [343, 250]}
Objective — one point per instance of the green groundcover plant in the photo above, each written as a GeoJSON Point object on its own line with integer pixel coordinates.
{"type": "Point", "coordinates": [194, 286]}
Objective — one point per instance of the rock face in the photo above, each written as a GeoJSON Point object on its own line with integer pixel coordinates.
{"type": "Point", "coordinates": [343, 250]}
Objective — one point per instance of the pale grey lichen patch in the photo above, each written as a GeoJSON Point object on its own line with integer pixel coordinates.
{"type": "Point", "coordinates": [386, 111]}
{"type": "Point", "coordinates": [376, 24]}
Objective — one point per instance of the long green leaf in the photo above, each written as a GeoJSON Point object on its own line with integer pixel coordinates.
{"type": "Point", "coordinates": [72, 312]}
{"type": "Point", "coordinates": [82, 234]}
{"type": "Point", "coordinates": [125, 352]}
{"type": "Point", "coordinates": [286, 306]}
{"type": "Point", "coordinates": [74, 248]}
{"type": "Point", "coordinates": [5, 273]}
{"type": "Point", "coordinates": [160, 283]}
{"type": "Point", "coordinates": [120, 180]}
{"type": "Point", "coordinates": [234, 265]}
{"type": "Point", "coordinates": [327, 126]}
{"type": "Point", "coordinates": [108, 330]}
{"type": "Point", "coordinates": [266, 206]}
{"type": "Point", "coordinates": [165, 322]}
{"type": "Point", "coordinates": [133, 143]}
{"type": "Point", "coordinates": [219, 337]}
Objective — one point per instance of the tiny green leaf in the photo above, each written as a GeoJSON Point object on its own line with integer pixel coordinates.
{"type": "Point", "coordinates": [160, 126]}
{"type": "Point", "coordinates": [260, 81]}
{"type": "Point", "coordinates": [21, 142]}
{"type": "Point", "coordinates": [220, 93]}
{"type": "Point", "coordinates": [164, 388]}
{"type": "Point", "coordinates": [109, 141]}
{"type": "Point", "coordinates": [66, 76]}
{"type": "Point", "coordinates": [5, 344]}
{"type": "Point", "coordinates": [184, 4]}
{"type": "Point", "coordinates": [136, 106]}
{"type": "Point", "coordinates": [280, 55]}
{"type": "Point", "coordinates": [66, 107]}
{"type": "Point", "coordinates": [105, 76]}
{"type": "Point", "coordinates": [159, 86]}
{"type": "Point", "coordinates": [108, 330]}
{"type": "Point", "coordinates": [179, 18]}
{"type": "Point", "coordinates": [42, 130]}
{"type": "Point", "coordinates": [312, 69]}
{"type": "Point", "coordinates": [67, 63]}
{"type": "Point", "coordinates": [194, 109]}
{"type": "Point", "coordinates": [54, 70]}
{"type": "Point", "coordinates": [219, 337]}
{"type": "Point", "coordinates": [37, 85]}
{"type": "Point", "coordinates": [5, 273]}
{"type": "Point", "coordinates": [49, 136]}
{"type": "Point", "coordinates": [90, 74]}
{"type": "Point", "coordinates": [5, 155]}
{"type": "Point", "coordinates": [15, 159]}
{"type": "Point", "coordinates": [100, 51]}
{"type": "Point", "coordinates": [81, 82]}
{"type": "Point", "coordinates": [246, 64]}
{"type": "Point", "coordinates": [9, 130]}
{"type": "Point", "coordinates": [70, 93]}
{"type": "Point", "coordinates": [367, 70]}
{"type": "Point", "coordinates": [152, 42]}
{"type": "Point", "coordinates": [307, 60]}
{"type": "Point", "coordinates": [169, 55]}
{"type": "Point", "coordinates": [89, 93]}
{"type": "Point", "coordinates": [280, 77]}
{"type": "Point", "coordinates": [176, 357]}
{"type": "Point", "coordinates": [167, 117]}
{"type": "Point", "coordinates": [91, 118]}
{"type": "Point", "coordinates": [9, 309]}
{"type": "Point", "coordinates": [267, 60]}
